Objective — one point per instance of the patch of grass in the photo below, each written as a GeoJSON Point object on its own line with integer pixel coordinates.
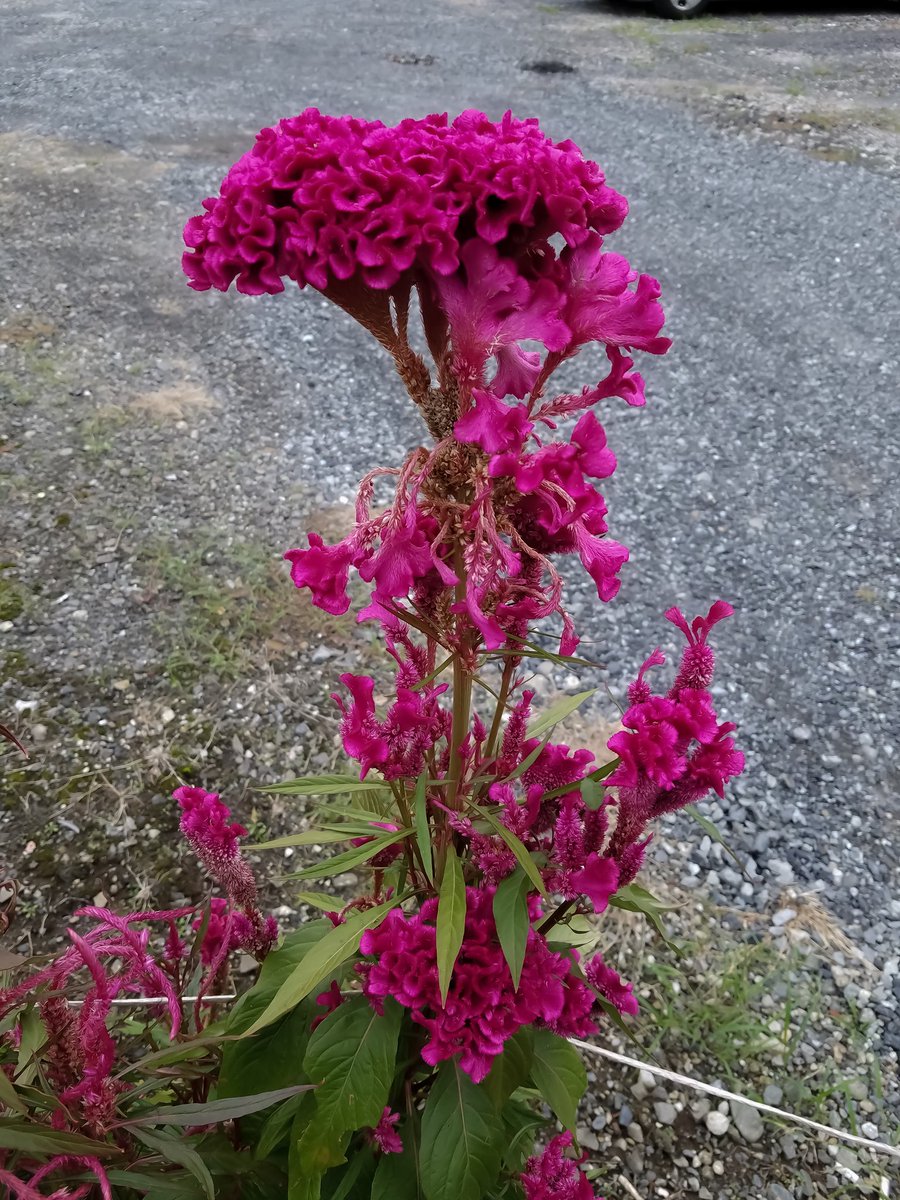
{"type": "Point", "coordinates": [13, 596]}
{"type": "Point", "coordinates": [217, 605]}
{"type": "Point", "coordinates": [833, 154]}
{"type": "Point", "coordinates": [98, 430]}
{"type": "Point", "coordinates": [795, 87]}
{"type": "Point", "coordinates": [638, 32]}
{"type": "Point", "coordinates": [711, 24]}
{"type": "Point", "coordinates": [221, 606]}
{"type": "Point", "coordinates": [697, 48]}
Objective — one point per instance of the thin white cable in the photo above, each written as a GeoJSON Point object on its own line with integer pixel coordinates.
{"type": "Point", "coordinates": [146, 1001]}
{"type": "Point", "coordinates": [697, 1085]}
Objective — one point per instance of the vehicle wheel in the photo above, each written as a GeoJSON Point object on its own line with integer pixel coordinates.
{"type": "Point", "coordinates": [679, 10]}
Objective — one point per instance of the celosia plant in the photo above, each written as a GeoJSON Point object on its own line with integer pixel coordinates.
{"type": "Point", "coordinates": [450, 986]}
{"type": "Point", "coordinates": [428, 1015]}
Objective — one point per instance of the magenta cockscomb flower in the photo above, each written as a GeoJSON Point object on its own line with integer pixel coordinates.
{"type": "Point", "coordinates": [611, 986]}
{"type": "Point", "coordinates": [322, 199]}
{"type": "Point", "coordinates": [462, 212]}
{"type": "Point", "coordinates": [554, 1176]}
{"type": "Point", "coordinates": [482, 1010]}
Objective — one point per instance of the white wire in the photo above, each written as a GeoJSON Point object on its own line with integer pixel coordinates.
{"type": "Point", "coordinates": [146, 1001]}
{"type": "Point", "coordinates": [697, 1085]}
{"type": "Point", "coordinates": [684, 1080]}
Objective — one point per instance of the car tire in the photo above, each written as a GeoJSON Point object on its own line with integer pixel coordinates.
{"type": "Point", "coordinates": [680, 10]}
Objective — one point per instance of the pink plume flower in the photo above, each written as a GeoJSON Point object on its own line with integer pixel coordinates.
{"type": "Point", "coordinates": [698, 660]}
{"type": "Point", "coordinates": [205, 824]}
{"type": "Point", "coordinates": [553, 1176]}
{"type": "Point", "coordinates": [385, 1135]}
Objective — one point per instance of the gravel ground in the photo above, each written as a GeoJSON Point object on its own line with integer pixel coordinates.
{"type": "Point", "coordinates": [161, 448]}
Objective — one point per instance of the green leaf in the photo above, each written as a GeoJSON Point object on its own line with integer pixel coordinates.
{"type": "Point", "coordinates": [173, 1185]}
{"type": "Point", "coordinates": [309, 837]}
{"type": "Point", "coordinates": [559, 1075]}
{"type": "Point", "coordinates": [530, 759]}
{"type": "Point", "coordinates": [183, 1154]}
{"type": "Point", "coordinates": [592, 794]}
{"type": "Point", "coordinates": [451, 919]}
{"type": "Point", "coordinates": [634, 898]}
{"type": "Point", "coordinates": [511, 1067]}
{"type": "Point", "coordinates": [709, 827]}
{"type": "Point", "coordinates": [324, 785]}
{"type": "Point", "coordinates": [33, 1038]}
{"type": "Point", "coordinates": [352, 1056]}
{"type": "Point", "coordinates": [9, 1097]}
{"type": "Point", "coordinates": [558, 712]}
{"type": "Point", "coordinates": [228, 1109]}
{"type": "Point", "coordinates": [39, 1141]}
{"type": "Point", "coordinates": [350, 858]}
{"type": "Point", "coordinates": [278, 1124]}
{"type": "Point", "coordinates": [523, 858]}
{"type": "Point", "coordinates": [396, 1177]}
{"type": "Point", "coordinates": [512, 921]}
{"type": "Point", "coordinates": [423, 829]}
{"type": "Point", "coordinates": [353, 1180]}
{"type": "Point", "coordinates": [329, 953]}
{"type": "Point", "coordinates": [274, 1057]}
{"type": "Point", "coordinates": [324, 901]}
{"type": "Point", "coordinates": [462, 1137]}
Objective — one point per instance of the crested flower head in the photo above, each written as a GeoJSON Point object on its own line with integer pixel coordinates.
{"type": "Point", "coordinates": [322, 200]}
{"type": "Point", "coordinates": [483, 1009]}
{"type": "Point", "coordinates": [554, 1176]}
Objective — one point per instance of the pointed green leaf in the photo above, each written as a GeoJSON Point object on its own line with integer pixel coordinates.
{"type": "Point", "coordinates": [558, 712]}
{"type": "Point", "coordinates": [559, 1075]}
{"type": "Point", "coordinates": [324, 785]}
{"type": "Point", "coordinates": [39, 1141]}
{"type": "Point", "coordinates": [308, 837]}
{"type": "Point", "coordinates": [462, 1138]}
{"type": "Point", "coordinates": [511, 1067]}
{"type": "Point", "coordinates": [423, 828]}
{"type": "Point", "coordinates": [173, 1185]}
{"type": "Point", "coordinates": [352, 1056]}
{"type": "Point", "coordinates": [523, 858]}
{"type": "Point", "coordinates": [396, 1177]}
{"type": "Point", "coordinates": [451, 919]}
{"type": "Point", "coordinates": [183, 1154]}
{"type": "Point", "coordinates": [512, 921]}
{"type": "Point", "coordinates": [709, 827]}
{"type": "Point", "coordinates": [228, 1109]}
{"type": "Point", "coordinates": [350, 858]}
{"type": "Point", "coordinates": [634, 898]}
{"type": "Point", "coordinates": [324, 958]}
{"type": "Point", "coordinates": [324, 901]}
{"type": "Point", "coordinates": [9, 1098]}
